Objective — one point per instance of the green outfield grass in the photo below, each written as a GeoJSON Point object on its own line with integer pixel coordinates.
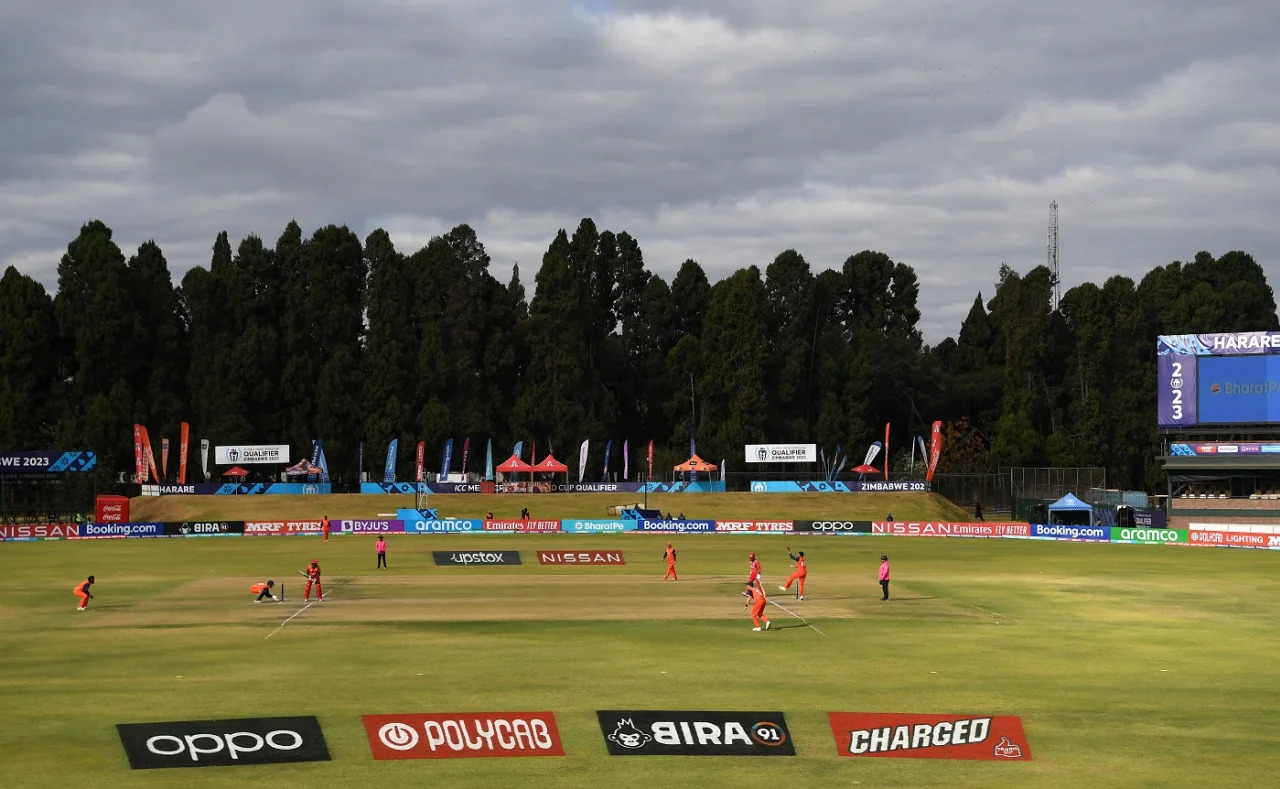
{"type": "Point", "coordinates": [1131, 666]}
{"type": "Point", "coordinates": [709, 506]}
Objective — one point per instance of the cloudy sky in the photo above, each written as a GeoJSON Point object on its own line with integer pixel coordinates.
{"type": "Point", "coordinates": [725, 131]}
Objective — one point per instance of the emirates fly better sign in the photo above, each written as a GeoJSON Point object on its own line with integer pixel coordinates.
{"type": "Point", "coordinates": [782, 453]}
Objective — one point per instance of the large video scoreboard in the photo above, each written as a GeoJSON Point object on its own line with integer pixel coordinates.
{"type": "Point", "coordinates": [1218, 379]}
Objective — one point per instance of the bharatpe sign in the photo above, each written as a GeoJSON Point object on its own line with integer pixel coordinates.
{"type": "Point", "coordinates": [679, 527]}
{"type": "Point", "coordinates": [241, 455]}
{"type": "Point", "coordinates": [1060, 531]}
{"type": "Point", "coordinates": [466, 558]}
{"type": "Point", "coordinates": [463, 735]}
{"type": "Point", "coordinates": [996, 738]}
{"type": "Point", "coordinates": [674, 733]}
{"type": "Point", "coordinates": [782, 453]}
{"type": "Point", "coordinates": [597, 527]}
{"type": "Point", "coordinates": [221, 743]}
{"type": "Point", "coordinates": [834, 527]}
{"type": "Point", "coordinates": [90, 530]}
{"type": "Point", "coordinates": [1148, 536]}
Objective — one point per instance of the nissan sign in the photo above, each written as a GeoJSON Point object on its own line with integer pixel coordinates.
{"type": "Point", "coordinates": [244, 455]}
{"type": "Point", "coordinates": [782, 453]}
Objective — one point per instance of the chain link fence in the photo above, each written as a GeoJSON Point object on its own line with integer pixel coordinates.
{"type": "Point", "coordinates": [1018, 490]}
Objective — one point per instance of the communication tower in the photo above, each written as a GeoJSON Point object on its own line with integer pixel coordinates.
{"type": "Point", "coordinates": [1053, 253]}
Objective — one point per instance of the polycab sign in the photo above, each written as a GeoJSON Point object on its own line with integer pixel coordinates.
{"type": "Point", "coordinates": [997, 737]}
{"type": "Point", "coordinates": [463, 735]}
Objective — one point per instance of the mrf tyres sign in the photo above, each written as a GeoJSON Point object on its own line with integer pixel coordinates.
{"type": "Point", "coordinates": [995, 738]}
{"type": "Point", "coordinates": [683, 733]}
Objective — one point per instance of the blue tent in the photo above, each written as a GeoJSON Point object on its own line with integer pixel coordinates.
{"type": "Point", "coordinates": [1071, 511]}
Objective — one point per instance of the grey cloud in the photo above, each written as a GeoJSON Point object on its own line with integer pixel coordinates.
{"type": "Point", "coordinates": [725, 131]}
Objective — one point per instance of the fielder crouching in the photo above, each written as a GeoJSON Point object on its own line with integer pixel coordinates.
{"type": "Point", "coordinates": [264, 590]}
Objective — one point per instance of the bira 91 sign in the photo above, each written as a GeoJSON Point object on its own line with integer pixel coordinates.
{"type": "Point", "coordinates": [463, 735]}
{"type": "Point", "coordinates": [580, 557]}
{"type": "Point", "coordinates": [676, 733]}
{"type": "Point", "coordinates": [996, 738]}
{"type": "Point", "coordinates": [221, 743]}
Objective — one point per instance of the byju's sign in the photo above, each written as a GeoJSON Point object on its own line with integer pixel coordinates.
{"type": "Point", "coordinates": [222, 743]}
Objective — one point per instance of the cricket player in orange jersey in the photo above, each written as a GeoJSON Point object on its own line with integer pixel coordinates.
{"type": "Point", "coordinates": [802, 571]}
{"type": "Point", "coordinates": [313, 577]}
{"type": "Point", "coordinates": [757, 601]}
{"type": "Point", "coordinates": [324, 528]}
{"type": "Point", "coordinates": [753, 569]}
{"type": "Point", "coordinates": [263, 590]}
{"type": "Point", "coordinates": [82, 591]}
{"type": "Point", "coordinates": [670, 555]}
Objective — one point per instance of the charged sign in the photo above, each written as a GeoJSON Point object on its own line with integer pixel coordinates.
{"type": "Point", "coordinates": [998, 738]}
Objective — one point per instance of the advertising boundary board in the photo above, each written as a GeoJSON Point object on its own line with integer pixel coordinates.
{"type": "Point", "coordinates": [676, 526]}
{"type": "Point", "coordinates": [581, 558]}
{"type": "Point", "coordinates": [833, 527]}
{"type": "Point", "coordinates": [475, 558]}
{"type": "Point", "coordinates": [223, 742]}
{"type": "Point", "coordinates": [755, 527]}
{"type": "Point", "coordinates": [867, 486]}
{"type": "Point", "coordinates": [97, 531]}
{"type": "Point", "coordinates": [597, 526]}
{"type": "Point", "coordinates": [949, 529]}
{"type": "Point", "coordinates": [203, 528]}
{"type": "Point", "coordinates": [695, 733]}
{"type": "Point", "coordinates": [1143, 536]}
{"type": "Point", "coordinates": [911, 736]}
{"type": "Point", "coordinates": [462, 735]}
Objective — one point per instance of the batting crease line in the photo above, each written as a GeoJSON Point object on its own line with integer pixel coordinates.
{"type": "Point", "coordinates": [299, 611]}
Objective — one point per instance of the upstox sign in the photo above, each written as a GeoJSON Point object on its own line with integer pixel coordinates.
{"type": "Point", "coordinates": [1149, 536]}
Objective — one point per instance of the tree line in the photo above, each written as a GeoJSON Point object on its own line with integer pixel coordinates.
{"type": "Point", "coordinates": [330, 337]}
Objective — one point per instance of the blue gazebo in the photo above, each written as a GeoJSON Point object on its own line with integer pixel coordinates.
{"type": "Point", "coordinates": [1071, 511]}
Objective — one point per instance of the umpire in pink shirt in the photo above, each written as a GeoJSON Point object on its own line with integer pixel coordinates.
{"type": "Point", "coordinates": [884, 576]}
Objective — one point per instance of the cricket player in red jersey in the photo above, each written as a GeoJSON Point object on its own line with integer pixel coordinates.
{"type": "Point", "coordinates": [670, 555]}
{"type": "Point", "coordinates": [82, 591]}
{"type": "Point", "coordinates": [313, 577]}
{"type": "Point", "coordinates": [757, 601]}
{"type": "Point", "coordinates": [802, 571]}
{"type": "Point", "coordinates": [753, 569]}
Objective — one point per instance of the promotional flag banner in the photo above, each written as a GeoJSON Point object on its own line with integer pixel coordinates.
{"type": "Point", "coordinates": [533, 455]}
{"type": "Point", "coordinates": [913, 457]}
{"type": "Point", "coordinates": [693, 447]}
{"type": "Point", "coordinates": [924, 454]}
{"type": "Point", "coordinates": [837, 463]}
{"type": "Point", "coordinates": [360, 464]}
{"type": "Point", "coordinates": [315, 452]}
{"type": "Point", "coordinates": [608, 449]}
{"type": "Point", "coordinates": [724, 470]}
{"type": "Point", "coordinates": [650, 476]}
{"type": "Point", "coordinates": [204, 458]}
{"type": "Point", "coordinates": [139, 464]}
{"type": "Point", "coordinates": [448, 459]}
{"type": "Point", "coordinates": [184, 440]}
{"type": "Point", "coordinates": [466, 450]}
{"type": "Point", "coordinates": [886, 451]}
{"type": "Point", "coordinates": [519, 450]}
{"type": "Point", "coordinates": [488, 461]}
{"type": "Point", "coordinates": [826, 470]}
{"type": "Point", "coordinates": [626, 459]}
{"type": "Point", "coordinates": [389, 468]}
{"type": "Point", "coordinates": [151, 455]}
{"type": "Point", "coordinates": [935, 450]}
{"type": "Point", "coordinates": [872, 451]}
{"type": "Point", "coordinates": [420, 462]}
{"type": "Point", "coordinates": [323, 464]}
{"type": "Point", "coordinates": [582, 460]}
{"type": "Point", "coordinates": [164, 458]}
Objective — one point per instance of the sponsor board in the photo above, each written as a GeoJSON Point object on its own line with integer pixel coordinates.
{"type": "Point", "coordinates": [369, 527]}
{"type": "Point", "coordinates": [916, 529]}
{"type": "Point", "coordinates": [282, 527]}
{"type": "Point", "coordinates": [14, 463]}
{"type": "Point", "coordinates": [240, 455]}
{"type": "Point", "coordinates": [781, 453]}
{"type": "Point", "coordinates": [222, 743]}
{"type": "Point", "coordinates": [1060, 531]}
{"type": "Point", "coordinates": [678, 527]}
{"type": "Point", "coordinates": [108, 530]}
{"type": "Point", "coordinates": [522, 526]}
{"type": "Point", "coordinates": [463, 735]}
{"type": "Point", "coordinates": [996, 738]}
{"type": "Point", "coordinates": [597, 527]}
{"type": "Point", "coordinates": [1148, 536]}
{"type": "Point", "coordinates": [755, 526]}
{"type": "Point", "coordinates": [111, 509]}
{"type": "Point", "coordinates": [443, 525]}
{"type": "Point", "coordinates": [1231, 539]}
{"type": "Point", "coordinates": [39, 531]}
{"type": "Point", "coordinates": [203, 528]}
{"type": "Point", "coordinates": [834, 527]}
{"type": "Point", "coordinates": [467, 558]}
{"type": "Point", "coordinates": [580, 557]}
{"type": "Point", "coordinates": [687, 733]}
{"type": "Point", "coordinates": [868, 486]}
{"type": "Point", "coordinates": [1147, 518]}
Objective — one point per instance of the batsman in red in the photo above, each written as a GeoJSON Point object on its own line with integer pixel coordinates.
{"type": "Point", "coordinates": [670, 555]}
{"type": "Point", "coordinates": [753, 569]}
{"type": "Point", "coordinates": [313, 577]}
{"type": "Point", "coordinates": [757, 601]}
{"type": "Point", "coordinates": [802, 571]}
